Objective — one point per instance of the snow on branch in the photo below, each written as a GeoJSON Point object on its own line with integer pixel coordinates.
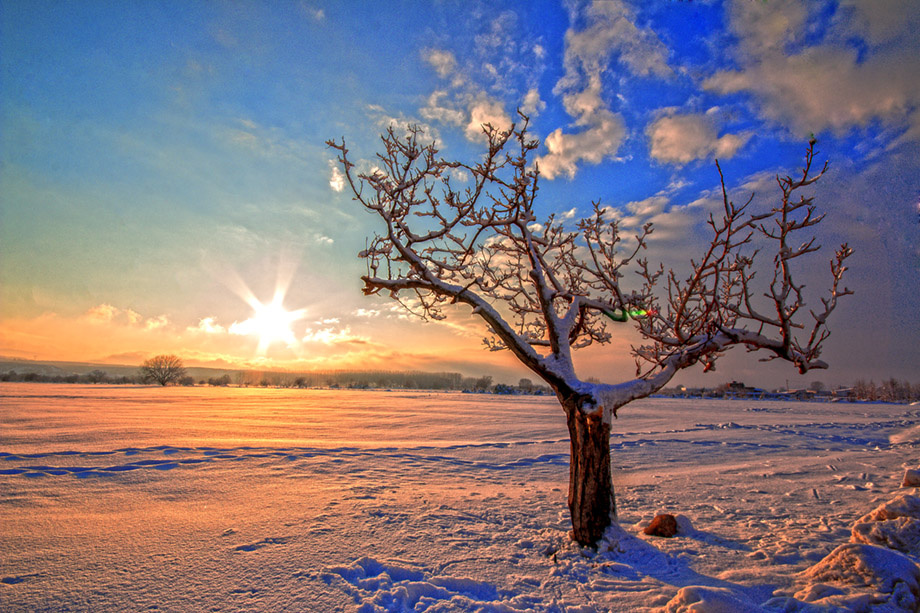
{"type": "Point", "coordinates": [544, 289]}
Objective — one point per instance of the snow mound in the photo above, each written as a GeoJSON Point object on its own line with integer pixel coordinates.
{"type": "Point", "coordinates": [702, 599]}
{"type": "Point", "coordinates": [903, 505]}
{"type": "Point", "coordinates": [911, 478]}
{"type": "Point", "coordinates": [380, 587]}
{"type": "Point", "coordinates": [902, 534]}
{"type": "Point", "coordinates": [894, 524]}
{"type": "Point", "coordinates": [856, 576]}
{"type": "Point", "coordinates": [684, 526]}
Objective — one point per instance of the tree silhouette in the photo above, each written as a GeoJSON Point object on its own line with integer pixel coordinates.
{"type": "Point", "coordinates": [162, 369]}
{"type": "Point", "coordinates": [544, 289]}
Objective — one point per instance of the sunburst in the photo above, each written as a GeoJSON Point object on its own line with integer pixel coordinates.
{"type": "Point", "coordinates": [270, 321]}
{"type": "Point", "coordinates": [273, 323]}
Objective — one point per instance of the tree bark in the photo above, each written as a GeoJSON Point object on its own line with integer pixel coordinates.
{"type": "Point", "coordinates": [591, 498]}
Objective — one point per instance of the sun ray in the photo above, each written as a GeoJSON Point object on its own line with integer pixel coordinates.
{"type": "Point", "coordinates": [272, 323]}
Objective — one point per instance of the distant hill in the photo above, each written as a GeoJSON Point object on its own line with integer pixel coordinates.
{"type": "Point", "coordinates": [332, 378]}
{"type": "Point", "coordinates": [81, 368]}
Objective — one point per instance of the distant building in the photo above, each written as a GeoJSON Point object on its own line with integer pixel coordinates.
{"type": "Point", "coordinates": [843, 394]}
{"type": "Point", "coordinates": [737, 389]}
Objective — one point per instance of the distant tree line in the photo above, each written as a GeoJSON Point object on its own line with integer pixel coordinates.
{"type": "Point", "coordinates": [337, 379]}
{"type": "Point", "coordinates": [353, 379]}
{"type": "Point", "coordinates": [891, 390]}
{"type": "Point", "coordinates": [95, 376]}
{"type": "Point", "coordinates": [92, 377]}
{"type": "Point", "coordinates": [357, 379]}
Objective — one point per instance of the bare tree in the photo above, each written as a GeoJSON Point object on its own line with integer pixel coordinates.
{"type": "Point", "coordinates": [162, 369]}
{"type": "Point", "coordinates": [96, 376]}
{"type": "Point", "coordinates": [545, 290]}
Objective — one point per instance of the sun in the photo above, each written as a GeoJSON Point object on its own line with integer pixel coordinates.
{"type": "Point", "coordinates": [271, 322]}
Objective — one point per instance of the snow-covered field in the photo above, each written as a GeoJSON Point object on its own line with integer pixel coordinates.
{"type": "Point", "coordinates": [225, 499]}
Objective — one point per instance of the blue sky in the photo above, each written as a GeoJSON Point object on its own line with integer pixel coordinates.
{"type": "Point", "coordinates": [163, 163]}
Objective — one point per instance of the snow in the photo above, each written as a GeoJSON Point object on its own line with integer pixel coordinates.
{"type": "Point", "coordinates": [702, 599]}
{"type": "Point", "coordinates": [884, 578]}
{"type": "Point", "coordinates": [894, 524]}
{"type": "Point", "coordinates": [179, 499]}
{"type": "Point", "coordinates": [911, 478]}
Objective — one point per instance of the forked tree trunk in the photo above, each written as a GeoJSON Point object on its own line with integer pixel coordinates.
{"type": "Point", "coordinates": [591, 499]}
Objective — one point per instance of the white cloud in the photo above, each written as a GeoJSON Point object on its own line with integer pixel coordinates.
{"type": "Point", "coordinates": [913, 130]}
{"type": "Point", "coordinates": [500, 33]}
{"type": "Point", "coordinates": [826, 88]}
{"type": "Point", "coordinates": [682, 138]}
{"type": "Point", "coordinates": [208, 325]}
{"type": "Point", "coordinates": [570, 214]}
{"type": "Point", "coordinates": [460, 175]}
{"type": "Point", "coordinates": [336, 177]}
{"type": "Point", "coordinates": [133, 316]}
{"type": "Point", "coordinates": [314, 13]}
{"type": "Point", "coordinates": [677, 183]}
{"type": "Point", "coordinates": [155, 323]}
{"type": "Point", "coordinates": [639, 212]}
{"type": "Point", "coordinates": [106, 313]}
{"type": "Point", "coordinates": [610, 30]}
{"type": "Point", "coordinates": [444, 62]}
{"type": "Point", "coordinates": [765, 27]}
{"type": "Point", "coordinates": [436, 109]}
{"type": "Point", "coordinates": [466, 104]}
{"type": "Point", "coordinates": [828, 85]}
{"type": "Point", "coordinates": [601, 138]}
{"type": "Point", "coordinates": [476, 92]}
{"type": "Point", "coordinates": [401, 124]}
{"type": "Point", "coordinates": [331, 336]}
{"type": "Point", "coordinates": [648, 207]}
{"type": "Point", "coordinates": [486, 111]}
{"type": "Point", "coordinates": [532, 104]}
{"type": "Point", "coordinates": [882, 22]}
{"type": "Point", "coordinates": [504, 56]}
{"type": "Point", "coordinates": [102, 313]}
{"type": "Point", "coordinates": [674, 234]}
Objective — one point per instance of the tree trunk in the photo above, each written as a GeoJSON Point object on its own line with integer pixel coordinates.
{"type": "Point", "coordinates": [591, 499]}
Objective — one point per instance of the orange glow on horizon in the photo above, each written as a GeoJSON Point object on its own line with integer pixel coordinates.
{"type": "Point", "coordinates": [127, 341]}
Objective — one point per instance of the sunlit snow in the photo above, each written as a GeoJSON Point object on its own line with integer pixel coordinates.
{"type": "Point", "coordinates": [196, 499]}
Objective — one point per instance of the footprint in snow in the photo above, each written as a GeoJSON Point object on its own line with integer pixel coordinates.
{"type": "Point", "coordinates": [18, 579]}
{"type": "Point", "coordinates": [278, 540]}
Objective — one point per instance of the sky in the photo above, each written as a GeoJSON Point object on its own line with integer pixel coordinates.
{"type": "Point", "coordinates": [165, 186]}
